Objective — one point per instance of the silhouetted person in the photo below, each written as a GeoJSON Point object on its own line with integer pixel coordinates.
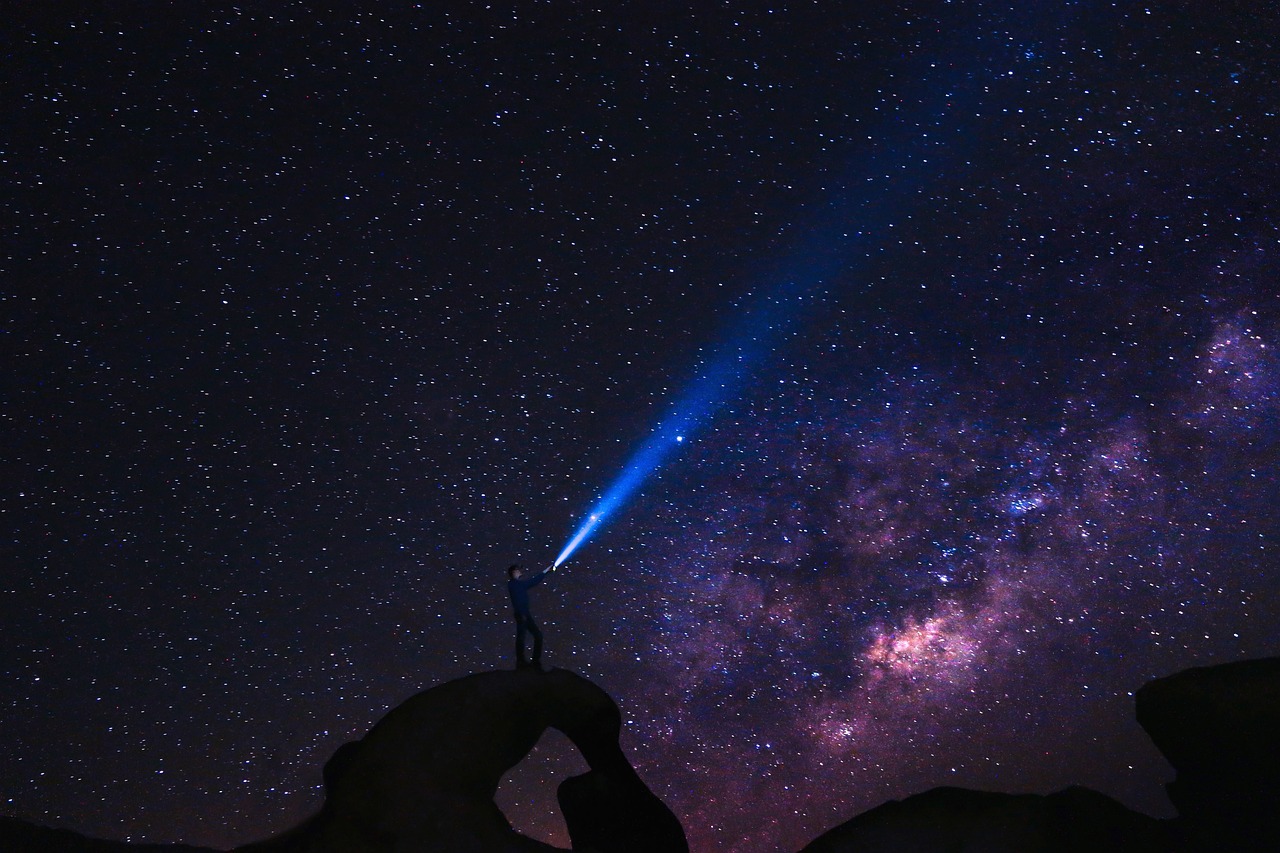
{"type": "Point", "coordinates": [518, 585]}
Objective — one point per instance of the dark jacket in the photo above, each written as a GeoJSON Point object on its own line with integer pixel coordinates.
{"type": "Point", "coordinates": [519, 590]}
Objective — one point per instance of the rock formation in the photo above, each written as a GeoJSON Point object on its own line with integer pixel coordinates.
{"type": "Point", "coordinates": [425, 776]}
{"type": "Point", "coordinates": [956, 820]}
{"type": "Point", "coordinates": [1218, 726]}
{"type": "Point", "coordinates": [1220, 729]}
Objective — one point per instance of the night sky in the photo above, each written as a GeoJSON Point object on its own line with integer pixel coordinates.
{"type": "Point", "coordinates": [312, 322]}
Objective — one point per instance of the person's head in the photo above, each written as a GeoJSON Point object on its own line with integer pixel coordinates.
{"type": "Point", "coordinates": [514, 571]}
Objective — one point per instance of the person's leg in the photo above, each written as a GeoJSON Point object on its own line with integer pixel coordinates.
{"type": "Point", "coordinates": [520, 629]}
{"type": "Point", "coordinates": [537, 641]}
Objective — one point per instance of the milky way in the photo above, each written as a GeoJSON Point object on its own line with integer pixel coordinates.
{"type": "Point", "coordinates": [315, 322]}
{"type": "Point", "coordinates": [923, 590]}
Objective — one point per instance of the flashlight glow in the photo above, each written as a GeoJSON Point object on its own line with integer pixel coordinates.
{"type": "Point", "coordinates": [715, 384]}
{"type": "Point", "coordinates": [827, 258]}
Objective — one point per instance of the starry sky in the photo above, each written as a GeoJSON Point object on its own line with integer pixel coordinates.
{"type": "Point", "coordinates": [312, 321]}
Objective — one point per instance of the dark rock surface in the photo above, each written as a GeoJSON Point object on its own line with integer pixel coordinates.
{"type": "Point", "coordinates": [1219, 727]}
{"type": "Point", "coordinates": [425, 776]}
{"type": "Point", "coordinates": [957, 820]}
{"type": "Point", "coordinates": [19, 836]}
{"type": "Point", "coordinates": [608, 808]}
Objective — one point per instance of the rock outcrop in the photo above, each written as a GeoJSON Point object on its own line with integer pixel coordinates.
{"type": "Point", "coordinates": [425, 776]}
{"type": "Point", "coordinates": [1218, 726]}
{"type": "Point", "coordinates": [957, 820]}
{"type": "Point", "coordinates": [1220, 729]}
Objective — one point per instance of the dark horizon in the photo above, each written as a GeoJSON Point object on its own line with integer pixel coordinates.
{"type": "Point", "coordinates": [316, 322]}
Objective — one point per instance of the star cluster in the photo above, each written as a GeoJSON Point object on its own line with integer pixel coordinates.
{"type": "Point", "coordinates": [315, 321]}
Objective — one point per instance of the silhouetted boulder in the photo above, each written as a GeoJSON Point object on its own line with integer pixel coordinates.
{"type": "Point", "coordinates": [1219, 727]}
{"type": "Point", "coordinates": [425, 776]}
{"type": "Point", "coordinates": [610, 809]}
{"type": "Point", "coordinates": [956, 820]}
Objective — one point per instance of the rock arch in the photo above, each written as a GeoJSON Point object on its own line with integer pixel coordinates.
{"type": "Point", "coordinates": [425, 776]}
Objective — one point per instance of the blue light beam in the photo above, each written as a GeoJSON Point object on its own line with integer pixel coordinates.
{"type": "Point", "coordinates": [687, 414]}
{"type": "Point", "coordinates": [715, 384]}
{"type": "Point", "coordinates": [909, 154]}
